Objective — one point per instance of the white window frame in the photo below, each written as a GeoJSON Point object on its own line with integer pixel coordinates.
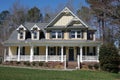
{"type": "Point", "coordinates": [75, 34]}
{"type": "Point", "coordinates": [57, 32]}
{"type": "Point", "coordinates": [19, 34]}
{"type": "Point", "coordinates": [37, 34]}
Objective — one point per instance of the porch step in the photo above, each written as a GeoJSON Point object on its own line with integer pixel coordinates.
{"type": "Point", "coordinates": [72, 64]}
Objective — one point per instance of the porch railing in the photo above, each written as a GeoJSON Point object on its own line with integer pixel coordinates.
{"type": "Point", "coordinates": [35, 58]}
{"type": "Point", "coordinates": [11, 58]}
{"type": "Point", "coordinates": [39, 58]}
{"type": "Point", "coordinates": [89, 58]}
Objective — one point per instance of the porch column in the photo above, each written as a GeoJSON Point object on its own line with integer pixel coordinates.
{"type": "Point", "coordinates": [18, 54]}
{"type": "Point", "coordinates": [9, 51]}
{"type": "Point", "coordinates": [98, 48]}
{"type": "Point", "coordinates": [61, 53]}
{"type": "Point", "coordinates": [31, 53]}
{"type": "Point", "coordinates": [46, 54]}
{"type": "Point", "coordinates": [81, 51]}
{"type": "Point", "coordinates": [5, 55]}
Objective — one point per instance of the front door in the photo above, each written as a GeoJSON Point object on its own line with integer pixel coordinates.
{"type": "Point", "coordinates": [71, 54]}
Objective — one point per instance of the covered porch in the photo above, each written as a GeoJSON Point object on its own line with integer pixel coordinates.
{"type": "Point", "coordinates": [52, 53]}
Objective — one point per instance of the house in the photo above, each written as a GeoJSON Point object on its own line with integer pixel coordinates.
{"type": "Point", "coordinates": [65, 38]}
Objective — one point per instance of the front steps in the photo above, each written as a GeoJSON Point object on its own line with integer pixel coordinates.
{"type": "Point", "coordinates": [71, 64]}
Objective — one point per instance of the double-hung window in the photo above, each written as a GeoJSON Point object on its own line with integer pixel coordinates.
{"type": "Point", "coordinates": [56, 34]}
{"type": "Point", "coordinates": [35, 34]}
{"type": "Point", "coordinates": [75, 34]}
{"type": "Point", "coordinates": [21, 33]}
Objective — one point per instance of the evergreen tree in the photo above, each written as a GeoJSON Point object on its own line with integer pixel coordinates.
{"type": "Point", "coordinates": [109, 58]}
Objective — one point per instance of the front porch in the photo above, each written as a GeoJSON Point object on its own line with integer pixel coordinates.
{"type": "Point", "coordinates": [53, 53]}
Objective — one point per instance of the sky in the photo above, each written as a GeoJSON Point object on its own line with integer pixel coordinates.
{"type": "Point", "coordinates": [41, 4]}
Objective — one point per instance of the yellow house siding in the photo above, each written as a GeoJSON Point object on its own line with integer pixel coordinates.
{"type": "Point", "coordinates": [47, 35]}
{"type": "Point", "coordinates": [13, 50]}
{"type": "Point", "coordinates": [66, 35]}
{"type": "Point", "coordinates": [63, 21]}
{"type": "Point", "coordinates": [42, 50]}
{"type": "Point", "coordinates": [27, 50]}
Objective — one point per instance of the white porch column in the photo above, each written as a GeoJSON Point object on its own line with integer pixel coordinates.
{"type": "Point", "coordinates": [61, 53]}
{"type": "Point", "coordinates": [94, 38]}
{"type": "Point", "coordinates": [18, 54]}
{"type": "Point", "coordinates": [81, 51]}
{"type": "Point", "coordinates": [4, 55]}
{"type": "Point", "coordinates": [9, 51]}
{"type": "Point", "coordinates": [31, 53]}
{"type": "Point", "coordinates": [46, 54]}
{"type": "Point", "coordinates": [98, 48]}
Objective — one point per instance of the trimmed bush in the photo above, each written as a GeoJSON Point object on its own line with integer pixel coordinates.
{"type": "Point", "coordinates": [96, 66]}
{"type": "Point", "coordinates": [90, 66]}
{"type": "Point", "coordinates": [41, 63]}
{"type": "Point", "coordinates": [109, 58]}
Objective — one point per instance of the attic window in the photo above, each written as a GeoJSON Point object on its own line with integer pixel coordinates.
{"type": "Point", "coordinates": [35, 33]}
{"type": "Point", "coordinates": [21, 33]}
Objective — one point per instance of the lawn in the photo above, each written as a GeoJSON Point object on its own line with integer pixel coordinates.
{"type": "Point", "coordinates": [9, 73]}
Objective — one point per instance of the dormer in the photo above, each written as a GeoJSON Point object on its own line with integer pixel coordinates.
{"type": "Point", "coordinates": [21, 32]}
{"type": "Point", "coordinates": [35, 32]}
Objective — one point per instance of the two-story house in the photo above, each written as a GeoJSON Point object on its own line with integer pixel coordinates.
{"type": "Point", "coordinates": [64, 38]}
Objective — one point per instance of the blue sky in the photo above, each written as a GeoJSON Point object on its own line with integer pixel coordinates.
{"type": "Point", "coordinates": [41, 4]}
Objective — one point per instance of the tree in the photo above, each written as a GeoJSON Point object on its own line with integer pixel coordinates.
{"type": "Point", "coordinates": [4, 15]}
{"type": "Point", "coordinates": [109, 58]}
{"type": "Point", "coordinates": [107, 13]}
{"type": "Point", "coordinates": [84, 13]}
{"type": "Point", "coordinates": [47, 18]}
{"type": "Point", "coordinates": [34, 15]}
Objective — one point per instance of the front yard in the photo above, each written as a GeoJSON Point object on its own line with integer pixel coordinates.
{"type": "Point", "coordinates": [10, 73]}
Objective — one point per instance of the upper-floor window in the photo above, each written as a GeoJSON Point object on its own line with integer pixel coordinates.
{"type": "Point", "coordinates": [90, 36]}
{"type": "Point", "coordinates": [56, 34]}
{"type": "Point", "coordinates": [75, 34]}
{"type": "Point", "coordinates": [35, 32]}
{"type": "Point", "coordinates": [21, 32]}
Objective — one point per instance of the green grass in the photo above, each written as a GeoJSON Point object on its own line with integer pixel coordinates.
{"type": "Point", "coordinates": [9, 73]}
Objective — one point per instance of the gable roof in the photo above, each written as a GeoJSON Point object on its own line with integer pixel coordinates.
{"type": "Point", "coordinates": [61, 13]}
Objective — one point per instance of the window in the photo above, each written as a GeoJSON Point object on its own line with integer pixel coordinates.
{"type": "Point", "coordinates": [76, 34]}
{"type": "Point", "coordinates": [36, 50]}
{"type": "Point", "coordinates": [21, 33]}
{"type": "Point", "coordinates": [35, 34]}
{"type": "Point", "coordinates": [51, 51]}
{"type": "Point", "coordinates": [58, 50]}
{"type": "Point", "coordinates": [56, 34]}
{"type": "Point", "coordinates": [53, 34]}
{"type": "Point", "coordinates": [72, 34]}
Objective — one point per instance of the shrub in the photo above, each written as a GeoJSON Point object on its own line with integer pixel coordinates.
{"type": "Point", "coordinates": [41, 63]}
{"type": "Point", "coordinates": [109, 58]}
{"type": "Point", "coordinates": [27, 63]}
{"type": "Point", "coordinates": [96, 66]}
{"type": "Point", "coordinates": [90, 66]}
{"type": "Point", "coordinates": [33, 63]}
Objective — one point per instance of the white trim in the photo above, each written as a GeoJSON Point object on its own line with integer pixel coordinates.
{"type": "Point", "coordinates": [18, 56]}
{"type": "Point", "coordinates": [81, 52]}
{"type": "Point", "coordinates": [61, 53]}
{"type": "Point", "coordinates": [21, 26]}
{"type": "Point", "coordinates": [38, 32]}
{"type": "Point", "coordinates": [46, 54]}
{"type": "Point", "coordinates": [35, 26]}
{"type": "Point", "coordinates": [31, 53]}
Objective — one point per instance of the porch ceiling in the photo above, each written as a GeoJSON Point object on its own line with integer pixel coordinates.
{"type": "Point", "coordinates": [45, 42]}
